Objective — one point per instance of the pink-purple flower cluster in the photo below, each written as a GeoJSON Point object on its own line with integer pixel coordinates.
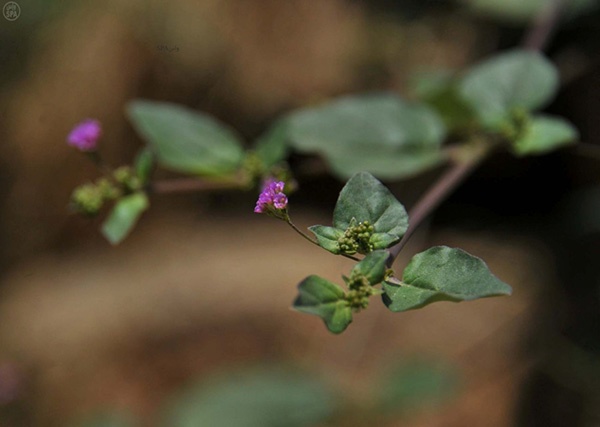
{"type": "Point", "coordinates": [271, 196]}
{"type": "Point", "coordinates": [85, 135]}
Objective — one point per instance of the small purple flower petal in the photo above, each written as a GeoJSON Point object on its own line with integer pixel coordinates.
{"type": "Point", "coordinates": [277, 186]}
{"type": "Point", "coordinates": [280, 201]}
{"type": "Point", "coordinates": [271, 196]}
{"type": "Point", "coordinates": [85, 135]}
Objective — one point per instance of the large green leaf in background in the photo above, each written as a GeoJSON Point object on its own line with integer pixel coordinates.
{"type": "Point", "coordinates": [124, 216]}
{"type": "Point", "coordinates": [417, 383]}
{"type": "Point", "coordinates": [525, 10]}
{"type": "Point", "coordinates": [517, 79]}
{"type": "Point", "coordinates": [439, 90]}
{"type": "Point", "coordinates": [255, 398]}
{"type": "Point", "coordinates": [325, 299]}
{"type": "Point", "coordinates": [381, 134]}
{"type": "Point", "coordinates": [106, 419]}
{"type": "Point", "coordinates": [271, 147]}
{"type": "Point", "coordinates": [185, 140]}
{"type": "Point", "coordinates": [442, 274]}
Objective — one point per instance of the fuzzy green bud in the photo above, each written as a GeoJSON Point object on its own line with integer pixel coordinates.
{"type": "Point", "coordinates": [87, 199]}
{"type": "Point", "coordinates": [127, 178]}
{"type": "Point", "coordinates": [356, 238]}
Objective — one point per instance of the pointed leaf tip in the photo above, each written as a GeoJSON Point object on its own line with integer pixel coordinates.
{"type": "Point", "coordinates": [442, 274]}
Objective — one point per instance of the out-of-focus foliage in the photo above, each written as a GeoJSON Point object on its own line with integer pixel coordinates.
{"type": "Point", "coordinates": [413, 384]}
{"type": "Point", "coordinates": [381, 134]}
{"type": "Point", "coordinates": [124, 216]}
{"type": "Point", "coordinates": [524, 10]}
{"type": "Point", "coordinates": [512, 80]}
{"type": "Point", "coordinates": [185, 140]}
{"type": "Point", "coordinates": [254, 398]}
{"type": "Point", "coordinates": [106, 419]}
{"type": "Point", "coordinates": [543, 134]}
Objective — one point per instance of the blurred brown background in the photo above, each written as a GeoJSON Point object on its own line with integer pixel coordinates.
{"type": "Point", "coordinates": [204, 285]}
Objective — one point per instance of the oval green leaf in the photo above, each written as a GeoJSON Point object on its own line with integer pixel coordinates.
{"type": "Point", "coordinates": [144, 164]}
{"type": "Point", "coordinates": [442, 274]}
{"type": "Point", "coordinates": [271, 147]}
{"type": "Point", "coordinates": [364, 198]}
{"type": "Point", "coordinates": [417, 383]}
{"type": "Point", "coordinates": [185, 140]}
{"type": "Point", "coordinates": [107, 419]}
{"type": "Point", "coordinates": [517, 79]}
{"type": "Point", "coordinates": [358, 133]}
{"type": "Point", "coordinates": [383, 240]}
{"type": "Point", "coordinates": [439, 90]}
{"type": "Point", "coordinates": [544, 134]}
{"type": "Point", "coordinates": [325, 299]}
{"type": "Point", "coordinates": [258, 397]}
{"type": "Point", "coordinates": [124, 216]}
{"type": "Point", "coordinates": [386, 163]}
{"type": "Point", "coordinates": [327, 237]}
{"type": "Point", "coordinates": [372, 266]}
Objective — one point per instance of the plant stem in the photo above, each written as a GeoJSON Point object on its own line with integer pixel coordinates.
{"type": "Point", "coordinates": [536, 39]}
{"type": "Point", "coordinates": [543, 25]}
{"type": "Point", "coordinates": [443, 187]}
{"type": "Point", "coordinates": [183, 185]}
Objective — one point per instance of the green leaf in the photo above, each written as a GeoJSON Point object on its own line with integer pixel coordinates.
{"type": "Point", "coordinates": [442, 274]}
{"type": "Point", "coordinates": [123, 217]}
{"type": "Point", "coordinates": [144, 164]}
{"type": "Point", "coordinates": [361, 132]}
{"type": "Point", "coordinates": [417, 383]}
{"type": "Point", "coordinates": [524, 11]}
{"type": "Point", "coordinates": [271, 148]}
{"type": "Point", "coordinates": [327, 237]}
{"type": "Point", "coordinates": [261, 397]}
{"type": "Point", "coordinates": [386, 163]}
{"type": "Point", "coordinates": [106, 419]}
{"type": "Point", "coordinates": [545, 133]}
{"type": "Point", "coordinates": [185, 140]}
{"type": "Point", "coordinates": [517, 79]}
{"type": "Point", "coordinates": [364, 198]}
{"type": "Point", "coordinates": [324, 299]}
{"type": "Point", "coordinates": [372, 266]}
{"type": "Point", "coordinates": [439, 90]}
{"type": "Point", "coordinates": [383, 240]}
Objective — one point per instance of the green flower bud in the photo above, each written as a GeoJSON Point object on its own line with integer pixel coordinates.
{"type": "Point", "coordinates": [87, 199]}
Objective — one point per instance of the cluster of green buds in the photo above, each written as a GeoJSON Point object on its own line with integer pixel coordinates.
{"type": "Point", "coordinates": [360, 290]}
{"type": "Point", "coordinates": [89, 198]}
{"type": "Point", "coordinates": [356, 238]}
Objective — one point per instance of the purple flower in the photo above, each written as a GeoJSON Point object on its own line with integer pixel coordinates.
{"type": "Point", "coordinates": [271, 197]}
{"type": "Point", "coordinates": [85, 135]}
{"type": "Point", "coordinates": [280, 200]}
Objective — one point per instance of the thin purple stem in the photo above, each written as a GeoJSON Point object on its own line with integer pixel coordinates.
{"type": "Point", "coordinates": [544, 24]}
{"type": "Point", "coordinates": [536, 39]}
{"type": "Point", "coordinates": [185, 185]}
{"type": "Point", "coordinates": [439, 192]}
